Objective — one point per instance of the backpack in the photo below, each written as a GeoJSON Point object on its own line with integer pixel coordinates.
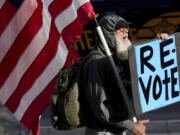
{"type": "Point", "coordinates": [65, 108]}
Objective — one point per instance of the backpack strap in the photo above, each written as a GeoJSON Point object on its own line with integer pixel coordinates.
{"type": "Point", "coordinates": [93, 53]}
{"type": "Point", "coordinates": [87, 57]}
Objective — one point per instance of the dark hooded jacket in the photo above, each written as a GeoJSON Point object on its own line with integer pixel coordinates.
{"type": "Point", "coordinates": [104, 106]}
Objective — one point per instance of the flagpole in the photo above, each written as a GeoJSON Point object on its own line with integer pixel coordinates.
{"type": "Point", "coordinates": [120, 85]}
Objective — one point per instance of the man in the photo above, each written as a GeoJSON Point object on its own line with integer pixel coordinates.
{"type": "Point", "coordinates": [107, 113]}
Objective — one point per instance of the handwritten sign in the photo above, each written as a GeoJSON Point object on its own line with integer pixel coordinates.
{"type": "Point", "coordinates": [155, 74]}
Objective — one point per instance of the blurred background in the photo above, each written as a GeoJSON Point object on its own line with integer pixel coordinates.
{"type": "Point", "coordinates": [147, 17]}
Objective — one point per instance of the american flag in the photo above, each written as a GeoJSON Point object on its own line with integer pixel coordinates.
{"type": "Point", "coordinates": [35, 43]}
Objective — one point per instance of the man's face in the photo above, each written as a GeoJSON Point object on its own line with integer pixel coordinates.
{"type": "Point", "coordinates": [123, 43]}
{"type": "Point", "coordinates": [123, 34]}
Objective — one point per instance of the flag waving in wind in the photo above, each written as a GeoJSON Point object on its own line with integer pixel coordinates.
{"type": "Point", "coordinates": [35, 43]}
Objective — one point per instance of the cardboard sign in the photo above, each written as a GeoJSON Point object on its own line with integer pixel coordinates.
{"type": "Point", "coordinates": [155, 73]}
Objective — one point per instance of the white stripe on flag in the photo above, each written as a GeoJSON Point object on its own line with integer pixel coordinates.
{"type": "Point", "coordinates": [26, 59]}
{"type": "Point", "coordinates": [62, 20]}
{"type": "Point", "coordinates": [49, 73]}
{"type": "Point", "coordinates": [46, 3]}
{"type": "Point", "coordinates": [16, 25]}
{"type": "Point", "coordinates": [2, 3]}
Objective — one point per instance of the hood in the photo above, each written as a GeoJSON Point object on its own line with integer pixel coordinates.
{"type": "Point", "coordinates": [108, 26]}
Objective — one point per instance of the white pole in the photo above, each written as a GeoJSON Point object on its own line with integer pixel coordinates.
{"type": "Point", "coordinates": [103, 40]}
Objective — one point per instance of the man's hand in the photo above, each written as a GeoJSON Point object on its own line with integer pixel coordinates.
{"type": "Point", "coordinates": [140, 128]}
{"type": "Point", "coordinates": [162, 36]}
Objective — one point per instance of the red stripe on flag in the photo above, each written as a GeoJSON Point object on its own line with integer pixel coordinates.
{"type": "Point", "coordinates": [38, 105]}
{"type": "Point", "coordinates": [75, 29]}
{"type": "Point", "coordinates": [62, 4]}
{"type": "Point", "coordinates": [35, 127]}
{"type": "Point", "coordinates": [38, 66]}
{"type": "Point", "coordinates": [20, 44]}
{"type": "Point", "coordinates": [6, 13]}
{"type": "Point", "coordinates": [72, 55]}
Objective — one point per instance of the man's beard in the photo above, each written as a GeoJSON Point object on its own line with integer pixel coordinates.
{"type": "Point", "coordinates": [122, 48]}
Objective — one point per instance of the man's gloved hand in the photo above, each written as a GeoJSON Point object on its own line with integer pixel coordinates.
{"type": "Point", "coordinates": [140, 128]}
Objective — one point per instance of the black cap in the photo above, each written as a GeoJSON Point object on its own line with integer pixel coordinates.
{"type": "Point", "coordinates": [122, 24]}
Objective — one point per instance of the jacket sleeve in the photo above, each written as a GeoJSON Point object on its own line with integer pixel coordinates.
{"type": "Point", "coordinates": [97, 97]}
